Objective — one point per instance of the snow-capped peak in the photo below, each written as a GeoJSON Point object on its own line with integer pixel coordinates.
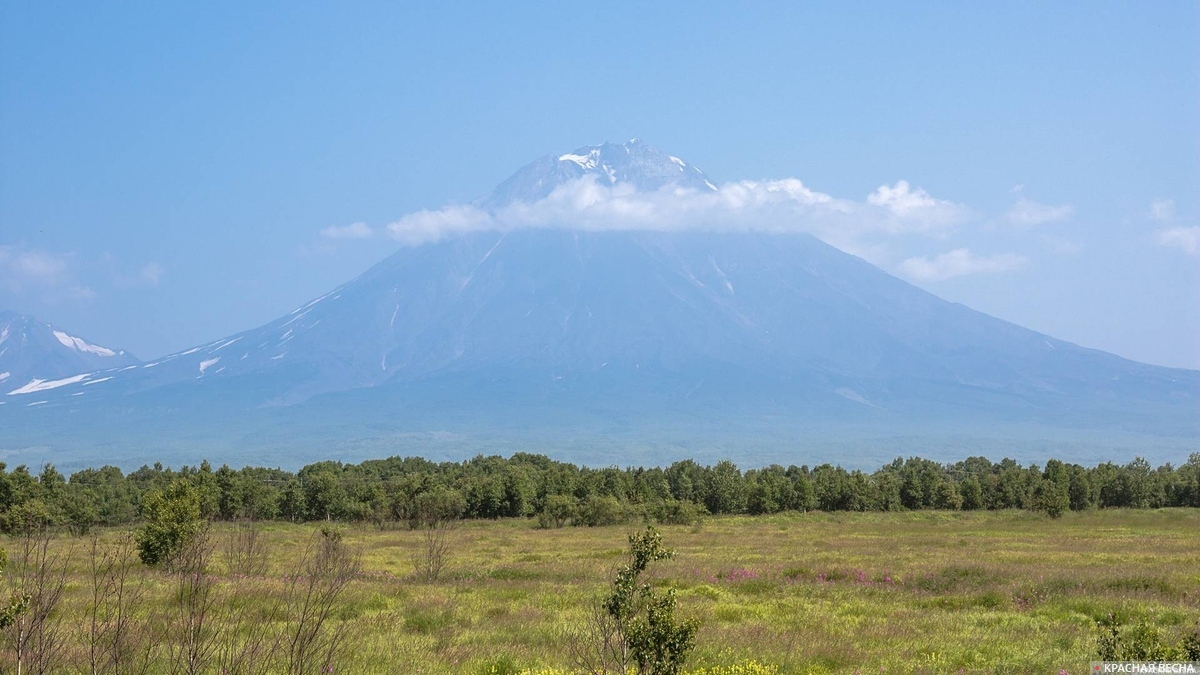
{"type": "Point", "coordinates": [633, 163]}
{"type": "Point", "coordinates": [45, 356]}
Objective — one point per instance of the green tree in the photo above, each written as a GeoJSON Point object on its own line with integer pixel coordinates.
{"type": "Point", "coordinates": [726, 489]}
{"type": "Point", "coordinates": [323, 495]}
{"type": "Point", "coordinates": [946, 496]}
{"type": "Point", "coordinates": [293, 505]}
{"type": "Point", "coordinates": [972, 494]}
{"type": "Point", "coordinates": [172, 518]}
{"type": "Point", "coordinates": [79, 509]}
{"type": "Point", "coordinates": [1079, 489]}
{"type": "Point", "coordinates": [1051, 498]}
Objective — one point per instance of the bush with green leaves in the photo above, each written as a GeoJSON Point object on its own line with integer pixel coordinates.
{"type": "Point", "coordinates": [172, 518]}
{"type": "Point", "coordinates": [1144, 641]}
{"type": "Point", "coordinates": [557, 511]}
{"type": "Point", "coordinates": [31, 516]}
{"type": "Point", "coordinates": [599, 510]}
{"type": "Point", "coordinates": [655, 641]}
{"type": "Point", "coordinates": [676, 512]}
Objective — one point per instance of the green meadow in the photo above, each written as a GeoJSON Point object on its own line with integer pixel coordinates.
{"type": "Point", "coordinates": [910, 592]}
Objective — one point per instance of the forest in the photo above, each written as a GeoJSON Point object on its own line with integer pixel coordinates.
{"type": "Point", "coordinates": [400, 489]}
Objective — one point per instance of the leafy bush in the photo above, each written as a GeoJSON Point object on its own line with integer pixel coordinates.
{"type": "Point", "coordinates": [676, 512]}
{"type": "Point", "coordinates": [656, 643]}
{"type": "Point", "coordinates": [1146, 642]}
{"type": "Point", "coordinates": [601, 510]}
{"type": "Point", "coordinates": [29, 516]}
{"type": "Point", "coordinates": [557, 511]}
{"type": "Point", "coordinates": [172, 517]}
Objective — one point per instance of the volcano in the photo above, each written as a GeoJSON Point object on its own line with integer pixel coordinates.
{"type": "Point", "coordinates": [609, 341]}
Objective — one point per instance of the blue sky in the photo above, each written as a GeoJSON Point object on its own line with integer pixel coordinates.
{"type": "Point", "coordinates": [166, 171]}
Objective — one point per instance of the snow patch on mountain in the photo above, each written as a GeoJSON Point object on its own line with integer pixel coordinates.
{"type": "Point", "coordinates": [36, 385]}
{"type": "Point", "coordinates": [80, 345]}
{"type": "Point", "coordinates": [588, 161]}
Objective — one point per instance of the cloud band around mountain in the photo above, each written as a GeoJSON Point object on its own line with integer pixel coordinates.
{"type": "Point", "coordinates": [779, 206]}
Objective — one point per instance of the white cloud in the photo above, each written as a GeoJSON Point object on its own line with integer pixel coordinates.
{"type": "Point", "coordinates": [1060, 244]}
{"type": "Point", "coordinates": [32, 265]}
{"type": "Point", "coordinates": [23, 268]}
{"type": "Point", "coordinates": [771, 206]}
{"type": "Point", "coordinates": [152, 273]}
{"type": "Point", "coordinates": [352, 231]}
{"type": "Point", "coordinates": [957, 263]}
{"type": "Point", "coordinates": [1187, 239]}
{"type": "Point", "coordinates": [916, 206]}
{"type": "Point", "coordinates": [1028, 213]}
{"type": "Point", "coordinates": [424, 226]}
{"type": "Point", "coordinates": [1163, 210]}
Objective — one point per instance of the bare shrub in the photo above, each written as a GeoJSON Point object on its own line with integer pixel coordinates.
{"type": "Point", "coordinates": [40, 575]}
{"type": "Point", "coordinates": [233, 642]}
{"type": "Point", "coordinates": [251, 645]}
{"type": "Point", "coordinates": [434, 553]}
{"type": "Point", "coordinates": [114, 640]}
{"type": "Point", "coordinates": [194, 628]}
{"type": "Point", "coordinates": [313, 643]}
{"type": "Point", "coordinates": [436, 513]}
{"type": "Point", "coordinates": [245, 549]}
{"type": "Point", "coordinates": [597, 646]}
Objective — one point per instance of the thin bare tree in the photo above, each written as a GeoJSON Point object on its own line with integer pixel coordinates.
{"type": "Point", "coordinates": [436, 513]}
{"type": "Point", "coordinates": [194, 627]}
{"type": "Point", "coordinates": [114, 639]}
{"type": "Point", "coordinates": [314, 642]}
{"type": "Point", "coordinates": [39, 574]}
{"type": "Point", "coordinates": [597, 646]}
{"type": "Point", "coordinates": [251, 646]}
{"type": "Point", "coordinates": [245, 549]}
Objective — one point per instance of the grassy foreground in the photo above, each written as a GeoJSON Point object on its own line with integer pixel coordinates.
{"type": "Point", "coordinates": [804, 593]}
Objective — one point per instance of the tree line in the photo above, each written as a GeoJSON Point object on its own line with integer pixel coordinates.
{"type": "Point", "coordinates": [413, 490]}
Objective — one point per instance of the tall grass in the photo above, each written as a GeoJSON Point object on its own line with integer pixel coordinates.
{"type": "Point", "coordinates": [907, 592]}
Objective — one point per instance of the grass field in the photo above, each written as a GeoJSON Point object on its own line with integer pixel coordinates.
{"type": "Point", "coordinates": [805, 593]}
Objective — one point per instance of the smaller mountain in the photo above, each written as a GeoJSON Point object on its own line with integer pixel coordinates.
{"type": "Point", "coordinates": [635, 164]}
{"type": "Point", "coordinates": [35, 355]}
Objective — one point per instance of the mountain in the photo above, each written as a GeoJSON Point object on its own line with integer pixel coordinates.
{"type": "Point", "coordinates": [635, 164]}
{"type": "Point", "coordinates": [35, 354]}
{"type": "Point", "coordinates": [609, 345]}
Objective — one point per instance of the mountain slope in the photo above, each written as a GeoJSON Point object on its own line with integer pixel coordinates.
{"type": "Point", "coordinates": [34, 355]}
{"type": "Point", "coordinates": [625, 334]}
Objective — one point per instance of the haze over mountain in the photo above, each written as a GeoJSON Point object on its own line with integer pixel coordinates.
{"type": "Point", "coordinates": [624, 337]}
